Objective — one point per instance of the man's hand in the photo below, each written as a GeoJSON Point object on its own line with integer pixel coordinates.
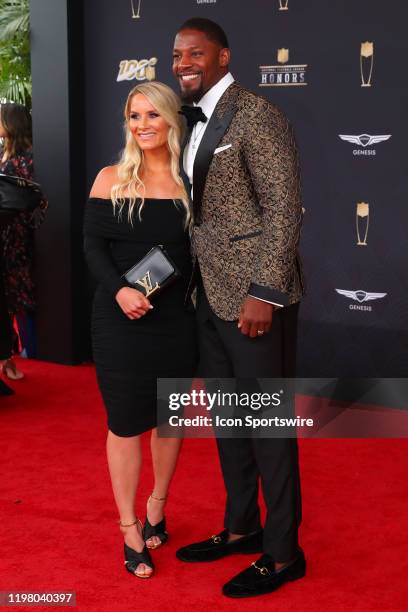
{"type": "Point", "coordinates": [255, 316]}
{"type": "Point", "coordinates": [133, 303]}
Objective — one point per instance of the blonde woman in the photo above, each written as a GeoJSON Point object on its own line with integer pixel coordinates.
{"type": "Point", "coordinates": [137, 204]}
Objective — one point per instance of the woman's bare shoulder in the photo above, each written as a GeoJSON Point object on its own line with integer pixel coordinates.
{"type": "Point", "coordinates": [104, 182]}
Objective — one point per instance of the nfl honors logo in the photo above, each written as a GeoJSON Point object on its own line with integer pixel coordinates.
{"type": "Point", "coordinates": [283, 74]}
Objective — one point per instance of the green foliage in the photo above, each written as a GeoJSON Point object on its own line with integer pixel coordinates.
{"type": "Point", "coordinates": [15, 68]}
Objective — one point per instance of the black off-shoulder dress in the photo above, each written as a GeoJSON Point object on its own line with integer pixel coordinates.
{"type": "Point", "coordinates": [130, 355]}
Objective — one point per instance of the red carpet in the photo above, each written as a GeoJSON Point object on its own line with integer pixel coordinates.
{"type": "Point", "coordinates": [59, 531]}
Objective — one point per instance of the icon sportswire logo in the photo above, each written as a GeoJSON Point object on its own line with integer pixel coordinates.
{"type": "Point", "coordinates": [360, 296]}
{"type": "Point", "coordinates": [365, 141]}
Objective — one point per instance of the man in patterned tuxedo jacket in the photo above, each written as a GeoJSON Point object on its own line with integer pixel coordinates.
{"type": "Point", "coordinates": [241, 166]}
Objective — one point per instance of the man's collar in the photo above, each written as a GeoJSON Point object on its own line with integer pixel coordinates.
{"type": "Point", "coordinates": [210, 99]}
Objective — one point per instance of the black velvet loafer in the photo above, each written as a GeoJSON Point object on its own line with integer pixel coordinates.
{"type": "Point", "coordinates": [261, 578]}
{"type": "Point", "coordinates": [218, 547]}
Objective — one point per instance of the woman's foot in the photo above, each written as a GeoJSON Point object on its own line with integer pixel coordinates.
{"type": "Point", "coordinates": [154, 530]}
{"type": "Point", "coordinates": [10, 370]}
{"type": "Point", "coordinates": [137, 557]}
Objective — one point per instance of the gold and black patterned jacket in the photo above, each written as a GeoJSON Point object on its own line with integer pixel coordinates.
{"type": "Point", "coordinates": [247, 208]}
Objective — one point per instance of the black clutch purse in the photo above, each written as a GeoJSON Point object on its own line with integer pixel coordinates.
{"type": "Point", "coordinates": [153, 273]}
{"type": "Point", "coordinates": [19, 195]}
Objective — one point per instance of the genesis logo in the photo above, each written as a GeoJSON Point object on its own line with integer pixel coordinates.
{"type": "Point", "coordinates": [364, 140]}
{"type": "Point", "coordinates": [360, 296]}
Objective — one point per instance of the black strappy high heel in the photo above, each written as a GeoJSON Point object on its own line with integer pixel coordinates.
{"type": "Point", "coordinates": [134, 558]}
{"type": "Point", "coordinates": [158, 530]}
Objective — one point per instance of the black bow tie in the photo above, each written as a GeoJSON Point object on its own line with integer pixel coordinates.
{"type": "Point", "coordinates": [193, 114]}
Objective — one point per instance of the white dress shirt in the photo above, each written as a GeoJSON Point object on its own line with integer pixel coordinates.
{"type": "Point", "coordinates": [208, 103]}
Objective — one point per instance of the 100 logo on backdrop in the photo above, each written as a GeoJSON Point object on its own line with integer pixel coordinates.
{"type": "Point", "coordinates": [141, 70]}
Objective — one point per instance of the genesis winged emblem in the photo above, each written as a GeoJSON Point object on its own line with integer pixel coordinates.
{"type": "Point", "coordinates": [364, 140]}
{"type": "Point", "coordinates": [361, 296]}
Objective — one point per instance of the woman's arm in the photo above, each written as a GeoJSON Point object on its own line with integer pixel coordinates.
{"type": "Point", "coordinates": [100, 263]}
{"type": "Point", "coordinates": [96, 242]}
{"type": "Point", "coordinates": [97, 254]}
{"type": "Point", "coordinates": [98, 251]}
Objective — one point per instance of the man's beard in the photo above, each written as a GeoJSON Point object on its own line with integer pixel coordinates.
{"type": "Point", "coordinates": [192, 96]}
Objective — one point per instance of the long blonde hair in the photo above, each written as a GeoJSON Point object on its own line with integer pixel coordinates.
{"type": "Point", "coordinates": [167, 104]}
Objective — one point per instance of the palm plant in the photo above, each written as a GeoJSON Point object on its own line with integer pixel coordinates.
{"type": "Point", "coordinates": [15, 68]}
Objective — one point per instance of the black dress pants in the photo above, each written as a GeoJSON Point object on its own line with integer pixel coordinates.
{"type": "Point", "coordinates": [226, 353]}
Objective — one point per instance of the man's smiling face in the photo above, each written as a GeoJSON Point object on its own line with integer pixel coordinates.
{"type": "Point", "coordinates": [198, 63]}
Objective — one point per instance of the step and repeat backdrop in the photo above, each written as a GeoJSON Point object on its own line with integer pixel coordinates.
{"type": "Point", "coordinates": [337, 68]}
